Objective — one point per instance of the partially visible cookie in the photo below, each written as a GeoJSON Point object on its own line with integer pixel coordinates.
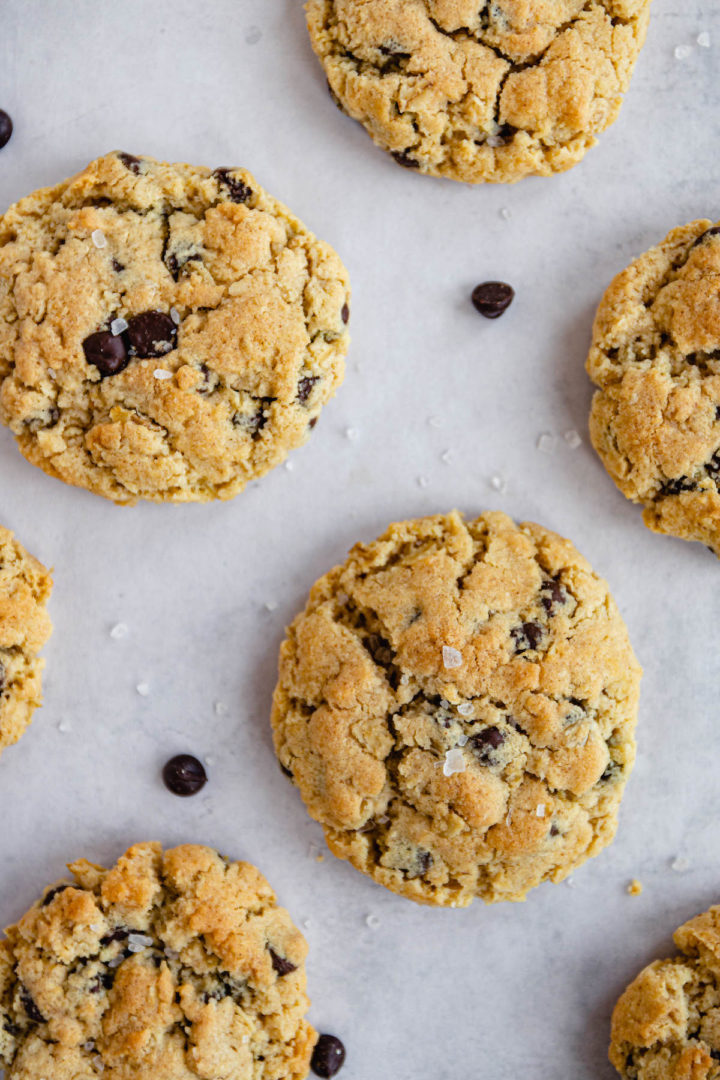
{"type": "Point", "coordinates": [166, 332]}
{"type": "Point", "coordinates": [457, 706]}
{"type": "Point", "coordinates": [666, 1026]}
{"type": "Point", "coordinates": [655, 356]}
{"type": "Point", "coordinates": [25, 626]}
{"type": "Point", "coordinates": [480, 91]}
{"type": "Point", "coordinates": [169, 966]}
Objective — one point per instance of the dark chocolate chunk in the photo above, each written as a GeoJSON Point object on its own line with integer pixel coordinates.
{"type": "Point", "coordinates": [526, 637]}
{"type": "Point", "coordinates": [405, 158]}
{"type": "Point", "coordinates": [281, 965]}
{"type": "Point", "coordinates": [117, 266]}
{"type": "Point", "coordinates": [107, 352]}
{"type": "Point", "coordinates": [239, 192]}
{"type": "Point", "coordinates": [328, 1056]}
{"type": "Point", "coordinates": [104, 981]}
{"type": "Point", "coordinates": [305, 387]}
{"type": "Point", "coordinates": [184, 775]}
{"type": "Point", "coordinates": [130, 162]}
{"type": "Point", "coordinates": [612, 770]}
{"type": "Point", "coordinates": [485, 742]}
{"type": "Point", "coordinates": [492, 298]}
{"type": "Point", "coordinates": [6, 128]}
{"type": "Point", "coordinates": [345, 313]}
{"type": "Point", "coordinates": [553, 595]}
{"type": "Point", "coordinates": [49, 896]}
{"type": "Point", "coordinates": [554, 831]}
{"type": "Point", "coordinates": [31, 1008]}
{"type": "Point", "coordinates": [313, 422]}
{"type": "Point", "coordinates": [286, 771]}
{"type": "Point", "coordinates": [152, 333]}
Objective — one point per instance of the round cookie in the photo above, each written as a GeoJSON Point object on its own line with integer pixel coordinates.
{"type": "Point", "coordinates": [166, 332]}
{"type": "Point", "coordinates": [25, 626]}
{"type": "Point", "coordinates": [655, 356]}
{"type": "Point", "coordinates": [666, 1026]}
{"type": "Point", "coordinates": [457, 706]}
{"type": "Point", "coordinates": [480, 92]}
{"type": "Point", "coordinates": [170, 966]}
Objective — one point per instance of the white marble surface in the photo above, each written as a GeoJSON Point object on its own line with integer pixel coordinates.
{"type": "Point", "coordinates": [501, 992]}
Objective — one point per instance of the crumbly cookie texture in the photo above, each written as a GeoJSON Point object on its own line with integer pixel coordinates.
{"type": "Point", "coordinates": [655, 356]}
{"type": "Point", "coordinates": [666, 1026]}
{"type": "Point", "coordinates": [172, 965]}
{"type": "Point", "coordinates": [480, 92]}
{"type": "Point", "coordinates": [25, 626]}
{"type": "Point", "coordinates": [166, 332]}
{"type": "Point", "coordinates": [457, 706]}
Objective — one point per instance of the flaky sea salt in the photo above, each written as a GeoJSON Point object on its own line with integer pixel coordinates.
{"type": "Point", "coordinates": [680, 865]}
{"type": "Point", "coordinates": [505, 213]}
{"type": "Point", "coordinates": [454, 762]}
{"type": "Point", "coordinates": [540, 810]}
{"type": "Point", "coordinates": [143, 689]}
{"type": "Point", "coordinates": [137, 942]}
{"type": "Point", "coordinates": [116, 961]}
{"type": "Point", "coordinates": [289, 465]}
{"type": "Point", "coordinates": [162, 374]}
{"type": "Point", "coordinates": [423, 481]}
{"type": "Point", "coordinates": [221, 708]}
{"type": "Point", "coordinates": [64, 727]}
{"type": "Point", "coordinates": [703, 40]}
{"type": "Point", "coordinates": [372, 921]}
{"type": "Point", "coordinates": [118, 631]}
{"type": "Point", "coordinates": [351, 433]}
{"type": "Point", "coordinates": [175, 315]}
{"type": "Point", "coordinates": [572, 438]}
{"type": "Point", "coordinates": [171, 953]}
{"type": "Point", "coordinates": [446, 457]}
{"type": "Point", "coordinates": [451, 657]}
{"type": "Point", "coordinates": [271, 605]}
{"type": "Point", "coordinates": [499, 483]}
{"type": "Point", "coordinates": [52, 373]}
{"type": "Point", "coordinates": [682, 52]}
{"type": "Point", "coordinates": [465, 709]}
{"type": "Point", "coordinates": [118, 326]}
{"type": "Point", "coordinates": [546, 443]}
{"type": "Point", "coordinates": [98, 238]}
{"type": "Point", "coordinates": [462, 740]}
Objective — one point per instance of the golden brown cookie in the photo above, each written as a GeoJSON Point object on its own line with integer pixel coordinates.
{"type": "Point", "coordinates": [457, 706]}
{"type": "Point", "coordinates": [655, 357]}
{"type": "Point", "coordinates": [169, 966]}
{"type": "Point", "coordinates": [480, 91]}
{"type": "Point", "coordinates": [666, 1026]}
{"type": "Point", "coordinates": [166, 332]}
{"type": "Point", "coordinates": [25, 626]}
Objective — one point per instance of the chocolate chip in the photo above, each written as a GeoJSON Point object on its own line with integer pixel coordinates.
{"type": "Point", "coordinates": [239, 192]}
{"type": "Point", "coordinates": [6, 128]}
{"type": "Point", "coordinates": [305, 387]}
{"type": "Point", "coordinates": [103, 982]}
{"type": "Point", "coordinates": [176, 263]}
{"type": "Point", "coordinates": [313, 422]}
{"type": "Point", "coordinates": [345, 314]}
{"type": "Point", "coordinates": [49, 896]}
{"type": "Point", "coordinates": [404, 158]}
{"type": "Point", "coordinates": [713, 466]}
{"type": "Point", "coordinates": [115, 935]}
{"type": "Point", "coordinates": [492, 298]}
{"type": "Point", "coordinates": [379, 648]}
{"type": "Point", "coordinates": [485, 742]}
{"type": "Point", "coordinates": [554, 831]}
{"type": "Point", "coordinates": [715, 1055]}
{"type": "Point", "coordinates": [676, 487]}
{"type": "Point", "coordinates": [516, 724]}
{"type": "Point", "coordinates": [554, 595]}
{"type": "Point", "coordinates": [47, 420]}
{"type": "Point", "coordinates": [31, 1008]}
{"type": "Point", "coordinates": [107, 352]}
{"type": "Point", "coordinates": [612, 770]}
{"type": "Point", "coordinates": [117, 266]}
{"type": "Point", "coordinates": [328, 1056]}
{"type": "Point", "coordinates": [252, 424]}
{"type": "Point", "coordinates": [12, 1029]}
{"type": "Point", "coordinates": [2, 677]}
{"type": "Point", "coordinates": [423, 862]}
{"type": "Point", "coordinates": [281, 965]}
{"type": "Point", "coordinates": [286, 771]}
{"type": "Point", "coordinates": [709, 232]}
{"type": "Point", "coordinates": [526, 637]}
{"type": "Point", "coordinates": [130, 162]}
{"type": "Point", "coordinates": [184, 775]}
{"type": "Point", "coordinates": [150, 334]}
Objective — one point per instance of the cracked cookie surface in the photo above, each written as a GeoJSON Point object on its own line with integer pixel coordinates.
{"type": "Point", "coordinates": [166, 332]}
{"type": "Point", "coordinates": [457, 706]}
{"type": "Point", "coordinates": [480, 92]}
{"type": "Point", "coordinates": [666, 1025]}
{"type": "Point", "coordinates": [25, 626]}
{"type": "Point", "coordinates": [171, 965]}
{"type": "Point", "coordinates": [655, 356]}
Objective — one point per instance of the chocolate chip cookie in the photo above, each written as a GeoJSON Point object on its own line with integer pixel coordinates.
{"type": "Point", "coordinates": [480, 91]}
{"type": "Point", "coordinates": [166, 332]}
{"type": "Point", "coordinates": [171, 965]}
{"type": "Point", "coordinates": [457, 705]}
{"type": "Point", "coordinates": [25, 626]}
{"type": "Point", "coordinates": [666, 1026]}
{"type": "Point", "coordinates": [655, 356]}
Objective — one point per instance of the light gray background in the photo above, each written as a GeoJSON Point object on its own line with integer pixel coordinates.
{"type": "Point", "coordinates": [500, 992]}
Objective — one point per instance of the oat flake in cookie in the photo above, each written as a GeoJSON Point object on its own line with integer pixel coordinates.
{"type": "Point", "coordinates": [170, 966]}
{"type": "Point", "coordinates": [24, 628]}
{"type": "Point", "coordinates": [655, 357]}
{"type": "Point", "coordinates": [666, 1026]}
{"type": "Point", "coordinates": [480, 91]}
{"type": "Point", "coordinates": [457, 706]}
{"type": "Point", "coordinates": [166, 332]}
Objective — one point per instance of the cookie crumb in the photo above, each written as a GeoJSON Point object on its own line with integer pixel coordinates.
{"type": "Point", "coordinates": [98, 238]}
{"type": "Point", "coordinates": [634, 888]}
{"type": "Point", "coordinates": [320, 857]}
{"type": "Point", "coordinates": [679, 864]}
{"type": "Point", "coordinates": [118, 631]}
{"type": "Point", "coordinates": [118, 326]}
{"type": "Point", "coordinates": [454, 762]}
{"type": "Point", "coordinates": [703, 40]}
{"type": "Point", "coordinates": [546, 443]}
{"type": "Point", "coordinates": [451, 657]}
{"type": "Point", "coordinates": [682, 52]}
{"type": "Point", "coordinates": [143, 689]}
{"type": "Point", "coordinates": [572, 438]}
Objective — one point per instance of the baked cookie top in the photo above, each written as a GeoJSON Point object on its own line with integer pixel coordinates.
{"type": "Point", "coordinates": [457, 706]}
{"type": "Point", "coordinates": [25, 626]}
{"type": "Point", "coordinates": [655, 356]}
{"type": "Point", "coordinates": [480, 91]}
{"type": "Point", "coordinates": [666, 1026]}
{"type": "Point", "coordinates": [171, 965]}
{"type": "Point", "coordinates": [166, 332]}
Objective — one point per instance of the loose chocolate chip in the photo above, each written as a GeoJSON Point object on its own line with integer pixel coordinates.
{"type": "Point", "coordinates": [31, 1009]}
{"type": "Point", "coordinates": [130, 162]}
{"type": "Point", "coordinates": [485, 742]}
{"type": "Point", "coordinates": [239, 192]}
{"type": "Point", "coordinates": [526, 637]}
{"type": "Point", "coordinates": [107, 352]}
{"type": "Point", "coordinates": [405, 158]}
{"type": "Point", "coordinates": [313, 422]}
{"type": "Point", "coordinates": [184, 775]}
{"type": "Point", "coordinates": [6, 128]}
{"type": "Point", "coordinates": [328, 1056]}
{"type": "Point", "coordinates": [280, 964]}
{"type": "Point", "coordinates": [345, 314]}
{"type": "Point", "coordinates": [152, 333]}
{"type": "Point", "coordinates": [49, 896]}
{"type": "Point", "coordinates": [554, 595]}
{"type": "Point", "coordinates": [492, 298]}
{"type": "Point", "coordinates": [676, 487]}
{"type": "Point", "coordinates": [305, 387]}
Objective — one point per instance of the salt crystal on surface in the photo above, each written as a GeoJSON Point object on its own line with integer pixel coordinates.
{"type": "Point", "coordinates": [162, 374]}
{"type": "Point", "coordinates": [680, 865]}
{"type": "Point", "coordinates": [682, 52]}
{"type": "Point", "coordinates": [465, 709]}
{"type": "Point", "coordinates": [171, 953]}
{"type": "Point", "coordinates": [703, 40]}
{"type": "Point", "coordinates": [572, 438]}
{"type": "Point", "coordinates": [52, 373]}
{"type": "Point", "coordinates": [118, 631]}
{"type": "Point", "coordinates": [498, 483]}
{"type": "Point", "coordinates": [289, 466]}
{"type": "Point", "coordinates": [143, 689]}
{"type": "Point", "coordinates": [271, 605]}
{"type": "Point", "coordinates": [64, 727]}
{"type": "Point", "coordinates": [546, 443]}
{"type": "Point", "coordinates": [462, 740]}
{"type": "Point", "coordinates": [175, 315]}
{"type": "Point", "coordinates": [351, 433]}
{"type": "Point", "coordinates": [373, 922]}
{"type": "Point", "coordinates": [454, 762]}
{"type": "Point", "coordinates": [505, 214]}
{"type": "Point", "coordinates": [451, 657]}
{"type": "Point", "coordinates": [221, 708]}
{"type": "Point", "coordinates": [540, 811]}
{"type": "Point", "coordinates": [495, 141]}
{"type": "Point", "coordinates": [137, 942]}
{"type": "Point", "coordinates": [118, 326]}
{"type": "Point", "coordinates": [98, 238]}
